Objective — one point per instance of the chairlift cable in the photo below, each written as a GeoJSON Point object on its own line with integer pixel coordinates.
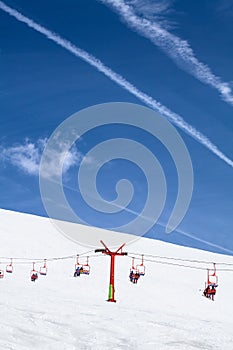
{"type": "Point", "coordinates": [180, 259]}
{"type": "Point", "coordinates": [181, 265]}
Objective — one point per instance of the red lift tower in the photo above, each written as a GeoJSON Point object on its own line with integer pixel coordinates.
{"type": "Point", "coordinates": [112, 255]}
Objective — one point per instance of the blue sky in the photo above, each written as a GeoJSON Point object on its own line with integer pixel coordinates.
{"type": "Point", "coordinates": [42, 84]}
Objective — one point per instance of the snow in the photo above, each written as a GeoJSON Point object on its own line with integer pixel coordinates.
{"type": "Point", "coordinates": [165, 310]}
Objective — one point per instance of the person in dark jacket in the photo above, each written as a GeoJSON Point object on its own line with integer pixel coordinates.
{"type": "Point", "coordinates": [131, 276]}
{"type": "Point", "coordinates": [77, 272]}
{"type": "Point", "coordinates": [136, 277]}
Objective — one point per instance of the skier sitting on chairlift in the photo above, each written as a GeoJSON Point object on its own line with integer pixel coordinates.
{"type": "Point", "coordinates": [34, 276]}
{"type": "Point", "coordinates": [131, 276]}
{"type": "Point", "coordinates": [134, 276]}
{"type": "Point", "coordinates": [210, 291]}
{"type": "Point", "coordinates": [213, 291]}
{"type": "Point", "coordinates": [77, 272]}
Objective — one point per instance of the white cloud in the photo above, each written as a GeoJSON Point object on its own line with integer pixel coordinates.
{"type": "Point", "coordinates": [59, 157]}
{"type": "Point", "coordinates": [27, 156]}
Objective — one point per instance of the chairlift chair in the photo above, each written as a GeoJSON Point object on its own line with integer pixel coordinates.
{"type": "Point", "coordinates": [34, 273]}
{"type": "Point", "coordinates": [141, 267]}
{"type": "Point", "coordinates": [86, 267]}
{"type": "Point", "coordinates": [9, 268]}
{"type": "Point", "coordinates": [43, 269]}
{"type": "Point", "coordinates": [211, 283]}
{"type": "Point", "coordinates": [77, 265]}
{"type": "Point", "coordinates": [133, 268]}
{"type": "Point", "coordinates": [134, 273]}
{"type": "Point", "coordinates": [212, 278]}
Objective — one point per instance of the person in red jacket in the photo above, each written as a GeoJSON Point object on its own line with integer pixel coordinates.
{"type": "Point", "coordinates": [34, 276]}
{"type": "Point", "coordinates": [206, 292]}
{"type": "Point", "coordinates": [210, 291]}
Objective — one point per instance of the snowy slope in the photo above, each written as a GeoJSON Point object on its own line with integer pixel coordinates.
{"type": "Point", "coordinates": [164, 311]}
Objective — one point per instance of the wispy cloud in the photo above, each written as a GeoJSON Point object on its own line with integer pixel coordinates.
{"type": "Point", "coordinates": [27, 156]}
{"type": "Point", "coordinates": [58, 157]}
{"type": "Point", "coordinates": [154, 10]}
{"type": "Point", "coordinates": [118, 79]}
{"type": "Point", "coordinates": [176, 48]}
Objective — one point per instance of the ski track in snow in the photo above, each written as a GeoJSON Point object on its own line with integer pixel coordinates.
{"type": "Point", "coordinates": [164, 311]}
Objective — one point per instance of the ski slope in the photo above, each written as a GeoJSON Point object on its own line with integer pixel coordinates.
{"type": "Point", "coordinates": [165, 310]}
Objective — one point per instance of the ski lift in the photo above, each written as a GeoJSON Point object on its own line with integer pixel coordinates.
{"type": "Point", "coordinates": [77, 265]}
{"type": "Point", "coordinates": [134, 273]}
{"type": "Point", "coordinates": [133, 268]}
{"type": "Point", "coordinates": [211, 284]}
{"type": "Point", "coordinates": [212, 278]}
{"type": "Point", "coordinates": [34, 273]}
{"type": "Point", "coordinates": [83, 268]}
{"type": "Point", "coordinates": [43, 269]}
{"type": "Point", "coordinates": [141, 267]}
{"type": "Point", "coordinates": [9, 268]}
{"type": "Point", "coordinates": [86, 267]}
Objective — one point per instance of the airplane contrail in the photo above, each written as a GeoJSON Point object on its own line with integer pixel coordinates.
{"type": "Point", "coordinates": [118, 79]}
{"type": "Point", "coordinates": [177, 49]}
{"type": "Point", "coordinates": [149, 219]}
